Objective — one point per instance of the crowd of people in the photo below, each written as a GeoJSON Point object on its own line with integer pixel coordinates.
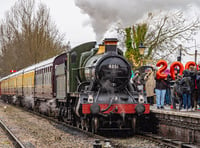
{"type": "Point", "coordinates": [184, 90]}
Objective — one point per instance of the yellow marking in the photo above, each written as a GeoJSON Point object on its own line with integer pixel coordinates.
{"type": "Point", "coordinates": [101, 49]}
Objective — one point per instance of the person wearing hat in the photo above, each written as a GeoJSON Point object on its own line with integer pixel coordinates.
{"type": "Point", "coordinates": [177, 92]}
{"type": "Point", "coordinates": [136, 80]}
{"type": "Point", "coordinates": [150, 85]}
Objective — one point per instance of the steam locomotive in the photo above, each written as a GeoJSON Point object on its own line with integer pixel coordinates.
{"type": "Point", "coordinates": [88, 87]}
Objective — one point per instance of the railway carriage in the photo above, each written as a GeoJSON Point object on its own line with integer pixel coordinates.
{"type": "Point", "coordinates": [88, 87]}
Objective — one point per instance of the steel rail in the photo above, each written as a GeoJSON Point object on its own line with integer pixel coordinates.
{"type": "Point", "coordinates": [16, 142]}
{"type": "Point", "coordinates": [99, 137]}
{"type": "Point", "coordinates": [165, 142]}
{"type": "Point", "coordinates": [64, 124]}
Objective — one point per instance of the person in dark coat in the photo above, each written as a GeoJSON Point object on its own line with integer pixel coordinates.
{"type": "Point", "coordinates": [160, 89]}
{"type": "Point", "coordinates": [168, 91]}
{"type": "Point", "coordinates": [186, 84]}
{"type": "Point", "coordinates": [198, 87]}
{"type": "Point", "coordinates": [194, 90]}
{"type": "Point", "coordinates": [177, 92]}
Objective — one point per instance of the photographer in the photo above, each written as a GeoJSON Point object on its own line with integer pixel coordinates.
{"type": "Point", "coordinates": [137, 80]}
{"type": "Point", "coordinates": [149, 85]}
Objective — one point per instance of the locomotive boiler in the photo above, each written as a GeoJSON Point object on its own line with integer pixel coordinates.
{"type": "Point", "coordinates": [88, 87]}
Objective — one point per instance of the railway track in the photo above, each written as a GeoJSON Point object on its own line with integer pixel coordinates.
{"type": "Point", "coordinates": [11, 136]}
{"type": "Point", "coordinates": [117, 142]}
{"type": "Point", "coordinates": [74, 128]}
{"type": "Point", "coordinates": [165, 142]}
{"type": "Point", "coordinates": [99, 138]}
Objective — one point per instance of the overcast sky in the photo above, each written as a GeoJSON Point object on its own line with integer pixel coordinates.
{"type": "Point", "coordinates": [66, 15]}
{"type": "Point", "coordinates": [87, 20]}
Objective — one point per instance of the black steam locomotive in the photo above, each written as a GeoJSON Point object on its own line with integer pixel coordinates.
{"type": "Point", "coordinates": [88, 87]}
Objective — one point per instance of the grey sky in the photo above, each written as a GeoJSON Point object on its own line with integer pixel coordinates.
{"type": "Point", "coordinates": [86, 20]}
{"type": "Point", "coordinates": [66, 16]}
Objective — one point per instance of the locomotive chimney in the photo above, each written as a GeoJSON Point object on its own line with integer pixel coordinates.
{"type": "Point", "coordinates": [110, 44]}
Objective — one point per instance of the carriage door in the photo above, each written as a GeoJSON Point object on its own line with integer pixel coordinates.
{"type": "Point", "coordinates": [60, 81]}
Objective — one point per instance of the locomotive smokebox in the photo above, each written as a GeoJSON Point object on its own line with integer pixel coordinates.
{"type": "Point", "coordinates": [110, 45]}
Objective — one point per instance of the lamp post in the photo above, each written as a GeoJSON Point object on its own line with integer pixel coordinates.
{"type": "Point", "coordinates": [180, 53]}
{"type": "Point", "coordinates": [141, 48]}
{"type": "Point", "coordinates": [195, 56]}
{"type": "Point", "coordinates": [195, 53]}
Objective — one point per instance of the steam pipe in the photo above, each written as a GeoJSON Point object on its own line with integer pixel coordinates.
{"type": "Point", "coordinates": [130, 87]}
{"type": "Point", "coordinates": [97, 95]}
{"type": "Point", "coordinates": [108, 106]}
{"type": "Point", "coordinates": [131, 96]}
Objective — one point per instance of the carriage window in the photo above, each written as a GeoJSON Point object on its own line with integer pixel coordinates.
{"type": "Point", "coordinates": [73, 57]}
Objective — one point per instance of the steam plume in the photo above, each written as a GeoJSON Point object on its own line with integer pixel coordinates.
{"type": "Point", "coordinates": [103, 13]}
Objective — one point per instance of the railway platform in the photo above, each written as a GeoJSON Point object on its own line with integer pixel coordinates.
{"type": "Point", "coordinates": [167, 110]}
{"type": "Point", "coordinates": [175, 124]}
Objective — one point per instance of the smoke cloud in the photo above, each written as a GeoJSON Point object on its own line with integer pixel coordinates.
{"type": "Point", "coordinates": [103, 13]}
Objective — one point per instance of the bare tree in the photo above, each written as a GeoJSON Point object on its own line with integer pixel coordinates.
{"type": "Point", "coordinates": [166, 31]}
{"type": "Point", "coordinates": [28, 36]}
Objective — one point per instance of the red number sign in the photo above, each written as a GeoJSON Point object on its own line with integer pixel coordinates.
{"type": "Point", "coordinates": [160, 74]}
{"type": "Point", "coordinates": [188, 64]}
{"type": "Point", "coordinates": [173, 65]}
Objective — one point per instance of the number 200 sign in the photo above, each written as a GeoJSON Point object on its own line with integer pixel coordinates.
{"type": "Point", "coordinates": [163, 63]}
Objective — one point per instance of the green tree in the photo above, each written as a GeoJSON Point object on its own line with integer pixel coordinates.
{"type": "Point", "coordinates": [134, 37]}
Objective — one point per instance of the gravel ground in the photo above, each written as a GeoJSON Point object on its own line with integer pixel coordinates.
{"type": "Point", "coordinates": [4, 140]}
{"type": "Point", "coordinates": [134, 142]}
{"type": "Point", "coordinates": [36, 132]}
